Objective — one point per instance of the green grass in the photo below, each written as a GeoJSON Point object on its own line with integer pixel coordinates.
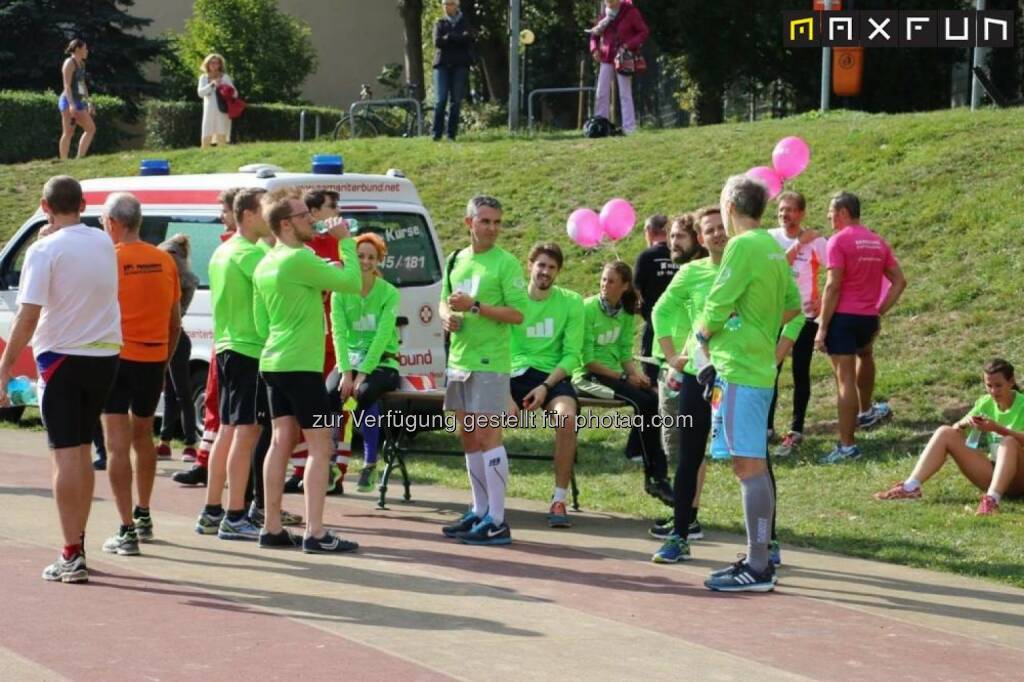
{"type": "Point", "coordinates": [945, 188]}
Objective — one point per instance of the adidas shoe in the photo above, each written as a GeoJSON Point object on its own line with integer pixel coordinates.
{"type": "Point", "coordinates": [208, 524]}
{"type": "Point", "coordinates": [243, 529]}
{"type": "Point", "coordinates": [486, 532]}
{"type": "Point", "coordinates": [125, 543]}
{"type": "Point", "coordinates": [71, 570]}
{"type": "Point", "coordinates": [741, 577]}
{"type": "Point", "coordinates": [328, 544]}
{"type": "Point", "coordinates": [673, 551]}
{"type": "Point", "coordinates": [464, 524]}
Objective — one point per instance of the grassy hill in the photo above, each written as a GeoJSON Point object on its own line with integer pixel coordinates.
{"type": "Point", "coordinates": [945, 188]}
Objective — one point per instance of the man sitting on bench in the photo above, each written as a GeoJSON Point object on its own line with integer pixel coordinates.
{"type": "Point", "coordinates": [546, 348]}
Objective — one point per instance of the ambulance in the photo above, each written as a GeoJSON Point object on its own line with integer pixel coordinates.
{"type": "Point", "coordinates": [387, 205]}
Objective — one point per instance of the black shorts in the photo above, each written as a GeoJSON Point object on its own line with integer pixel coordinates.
{"type": "Point", "coordinates": [137, 388]}
{"type": "Point", "coordinates": [848, 333]}
{"type": "Point", "coordinates": [524, 383]}
{"type": "Point", "coordinates": [298, 394]}
{"type": "Point", "coordinates": [72, 399]}
{"type": "Point", "coordinates": [237, 387]}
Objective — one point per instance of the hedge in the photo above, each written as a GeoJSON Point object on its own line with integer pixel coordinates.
{"type": "Point", "coordinates": [31, 125]}
{"type": "Point", "coordinates": [179, 124]}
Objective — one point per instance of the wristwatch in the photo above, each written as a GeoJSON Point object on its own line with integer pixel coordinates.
{"type": "Point", "coordinates": [475, 308]}
{"type": "Point", "coordinates": [624, 376]}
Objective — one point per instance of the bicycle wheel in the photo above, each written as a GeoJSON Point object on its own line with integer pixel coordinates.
{"type": "Point", "coordinates": [367, 127]}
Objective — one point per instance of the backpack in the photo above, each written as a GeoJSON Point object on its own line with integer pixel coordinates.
{"type": "Point", "coordinates": [597, 126]}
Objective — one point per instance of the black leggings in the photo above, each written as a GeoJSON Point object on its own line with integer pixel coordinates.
{"type": "Point", "coordinates": [644, 402]}
{"type": "Point", "coordinates": [693, 442]}
{"type": "Point", "coordinates": [803, 351]}
{"type": "Point", "coordinates": [178, 405]}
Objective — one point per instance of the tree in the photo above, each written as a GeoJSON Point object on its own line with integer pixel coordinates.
{"type": "Point", "coordinates": [36, 33]}
{"type": "Point", "coordinates": [411, 12]}
{"type": "Point", "coordinates": [269, 54]}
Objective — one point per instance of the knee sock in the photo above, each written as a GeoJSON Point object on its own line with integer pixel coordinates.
{"type": "Point", "coordinates": [758, 506]}
{"type": "Point", "coordinates": [477, 482]}
{"type": "Point", "coordinates": [771, 477]}
{"type": "Point", "coordinates": [496, 463]}
{"type": "Point", "coordinates": [371, 434]}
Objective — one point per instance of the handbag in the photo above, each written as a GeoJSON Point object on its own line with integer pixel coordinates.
{"type": "Point", "coordinates": [628, 62]}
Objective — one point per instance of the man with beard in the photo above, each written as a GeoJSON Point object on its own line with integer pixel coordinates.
{"type": "Point", "coordinates": [546, 348]}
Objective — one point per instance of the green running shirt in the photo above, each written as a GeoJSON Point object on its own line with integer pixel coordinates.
{"type": "Point", "coordinates": [680, 305]}
{"type": "Point", "coordinates": [289, 307]}
{"type": "Point", "coordinates": [494, 277]}
{"type": "Point", "coordinates": [606, 339]}
{"type": "Point", "coordinates": [551, 334]}
{"type": "Point", "coordinates": [364, 328]}
{"type": "Point", "coordinates": [231, 296]}
{"type": "Point", "coordinates": [744, 308]}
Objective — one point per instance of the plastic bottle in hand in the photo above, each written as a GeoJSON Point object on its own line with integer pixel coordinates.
{"type": "Point", "coordinates": [674, 383]}
{"type": "Point", "coordinates": [21, 391]}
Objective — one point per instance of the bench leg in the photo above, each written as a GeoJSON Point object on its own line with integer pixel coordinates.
{"type": "Point", "coordinates": [572, 484]}
{"type": "Point", "coordinates": [387, 453]}
{"type": "Point", "coordinates": [405, 477]}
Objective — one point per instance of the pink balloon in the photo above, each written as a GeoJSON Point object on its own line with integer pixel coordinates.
{"type": "Point", "coordinates": [617, 218]}
{"type": "Point", "coordinates": [791, 157]}
{"type": "Point", "coordinates": [584, 227]}
{"type": "Point", "coordinates": [768, 177]}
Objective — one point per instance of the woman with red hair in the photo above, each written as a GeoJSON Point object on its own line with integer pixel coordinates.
{"type": "Point", "coordinates": [366, 345]}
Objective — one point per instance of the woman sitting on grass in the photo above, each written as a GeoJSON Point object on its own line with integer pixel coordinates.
{"type": "Point", "coordinates": [1000, 415]}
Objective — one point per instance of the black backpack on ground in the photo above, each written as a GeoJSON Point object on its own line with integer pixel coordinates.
{"type": "Point", "coordinates": [599, 126]}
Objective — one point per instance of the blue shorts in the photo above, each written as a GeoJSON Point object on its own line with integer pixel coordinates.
{"type": "Point", "coordinates": [62, 104]}
{"type": "Point", "coordinates": [739, 420]}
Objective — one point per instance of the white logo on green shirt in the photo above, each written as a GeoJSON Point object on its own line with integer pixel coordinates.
{"type": "Point", "coordinates": [545, 329]}
{"type": "Point", "coordinates": [609, 337]}
{"type": "Point", "coordinates": [469, 286]}
{"type": "Point", "coordinates": [367, 323]}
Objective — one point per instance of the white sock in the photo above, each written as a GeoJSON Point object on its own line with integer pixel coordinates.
{"type": "Point", "coordinates": [560, 495]}
{"type": "Point", "coordinates": [496, 464]}
{"type": "Point", "coordinates": [478, 482]}
{"type": "Point", "coordinates": [911, 484]}
{"type": "Point", "coordinates": [996, 496]}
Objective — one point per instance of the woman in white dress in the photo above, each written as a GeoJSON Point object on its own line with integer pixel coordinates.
{"type": "Point", "coordinates": [216, 124]}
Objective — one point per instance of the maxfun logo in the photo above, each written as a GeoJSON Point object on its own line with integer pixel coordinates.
{"type": "Point", "coordinates": [545, 329]}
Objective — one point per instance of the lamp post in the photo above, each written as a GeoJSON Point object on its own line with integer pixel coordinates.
{"type": "Point", "coordinates": [514, 9]}
{"type": "Point", "coordinates": [826, 68]}
{"type": "Point", "coordinates": [979, 59]}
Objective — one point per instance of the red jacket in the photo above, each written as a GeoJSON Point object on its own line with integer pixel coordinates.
{"type": "Point", "coordinates": [628, 29]}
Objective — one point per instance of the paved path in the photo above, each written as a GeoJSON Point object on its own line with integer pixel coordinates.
{"type": "Point", "coordinates": [578, 604]}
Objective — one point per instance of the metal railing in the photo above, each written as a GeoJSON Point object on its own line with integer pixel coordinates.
{"type": "Point", "coordinates": [551, 91]}
{"type": "Point", "coordinates": [302, 126]}
{"type": "Point", "coordinates": [394, 102]}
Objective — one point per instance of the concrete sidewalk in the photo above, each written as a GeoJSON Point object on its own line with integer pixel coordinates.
{"type": "Point", "coordinates": [578, 604]}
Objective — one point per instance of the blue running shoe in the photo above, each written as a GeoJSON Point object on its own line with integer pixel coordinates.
{"type": "Point", "coordinates": [741, 577]}
{"type": "Point", "coordinates": [464, 524]}
{"type": "Point", "coordinates": [208, 524]}
{"type": "Point", "coordinates": [328, 544]}
{"type": "Point", "coordinates": [673, 551]}
{"type": "Point", "coordinates": [776, 553]}
{"type": "Point", "coordinates": [487, 533]}
{"type": "Point", "coordinates": [841, 454]}
{"type": "Point", "coordinates": [238, 530]}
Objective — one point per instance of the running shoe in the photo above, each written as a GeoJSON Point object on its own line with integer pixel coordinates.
{"type": "Point", "coordinates": [841, 454]}
{"type": "Point", "coordinates": [293, 484]}
{"type": "Point", "coordinates": [143, 527]}
{"type": "Point", "coordinates": [189, 454]}
{"type": "Point", "coordinates": [673, 551]}
{"type": "Point", "coordinates": [775, 552]}
{"type": "Point", "coordinates": [987, 506]}
{"type": "Point", "coordinates": [486, 532]}
{"type": "Point", "coordinates": [789, 443]}
{"type": "Point", "coordinates": [290, 519]}
{"type": "Point", "coordinates": [718, 572]}
{"type": "Point", "coordinates": [335, 481]}
{"type": "Point", "coordinates": [694, 532]}
{"type": "Point", "coordinates": [741, 577]}
{"type": "Point", "coordinates": [163, 451]}
{"type": "Point", "coordinates": [558, 517]}
{"type": "Point", "coordinates": [466, 523]}
{"type": "Point", "coordinates": [125, 543]}
{"type": "Point", "coordinates": [282, 540]}
{"type": "Point", "coordinates": [100, 464]}
{"type": "Point", "coordinates": [194, 476]}
{"type": "Point", "coordinates": [366, 476]}
{"type": "Point", "coordinates": [71, 570]}
{"type": "Point", "coordinates": [663, 528]}
{"type": "Point", "coordinates": [328, 544]}
{"type": "Point", "coordinates": [661, 489]}
{"type": "Point", "coordinates": [874, 416]}
{"type": "Point", "coordinates": [258, 517]}
{"type": "Point", "coordinates": [209, 524]}
{"type": "Point", "coordinates": [898, 492]}
{"type": "Point", "coordinates": [243, 529]}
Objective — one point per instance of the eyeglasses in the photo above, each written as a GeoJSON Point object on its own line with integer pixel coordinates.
{"type": "Point", "coordinates": [298, 215]}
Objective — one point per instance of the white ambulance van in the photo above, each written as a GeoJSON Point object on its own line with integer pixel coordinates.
{"type": "Point", "coordinates": [385, 204]}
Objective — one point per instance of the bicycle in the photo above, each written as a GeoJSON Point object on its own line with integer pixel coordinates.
{"type": "Point", "coordinates": [383, 120]}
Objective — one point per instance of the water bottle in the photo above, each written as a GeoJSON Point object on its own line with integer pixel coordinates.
{"type": "Point", "coordinates": [973, 438]}
{"type": "Point", "coordinates": [674, 383]}
{"type": "Point", "coordinates": [22, 391]}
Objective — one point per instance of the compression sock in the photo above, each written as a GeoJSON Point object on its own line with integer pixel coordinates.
{"type": "Point", "coordinates": [496, 463]}
{"type": "Point", "coordinates": [758, 504]}
{"type": "Point", "coordinates": [478, 482]}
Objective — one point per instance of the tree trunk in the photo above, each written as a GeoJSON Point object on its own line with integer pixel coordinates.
{"type": "Point", "coordinates": [491, 45]}
{"type": "Point", "coordinates": [709, 107]}
{"type": "Point", "coordinates": [412, 30]}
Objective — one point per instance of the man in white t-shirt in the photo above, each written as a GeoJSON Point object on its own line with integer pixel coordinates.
{"type": "Point", "coordinates": [67, 306]}
{"type": "Point", "coordinates": [805, 251]}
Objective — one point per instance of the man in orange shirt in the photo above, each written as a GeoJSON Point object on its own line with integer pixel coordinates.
{"type": "Point", "coordinates": [147, 293]}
